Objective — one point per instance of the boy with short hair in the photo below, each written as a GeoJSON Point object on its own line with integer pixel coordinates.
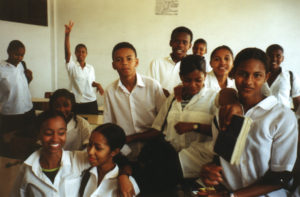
{"type": "Point", "coordinates": [200, 47]}
{"type": "Point", "coordinates": [133, 100]}
{"type": "Point", "coordinates": [166, 70]}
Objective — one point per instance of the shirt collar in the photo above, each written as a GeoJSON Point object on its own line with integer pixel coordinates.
{"type": "Point", "coordinates": [110, 175]}
{"type": "Point", "coordinates": [267, 103]}
{"type": "Point", "coordinates": [139, 82]}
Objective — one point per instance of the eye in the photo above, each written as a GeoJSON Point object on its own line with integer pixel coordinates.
{"type": "Point", "coordinates": [118, 59]}
{"type": "Point", "coordinates": [48, 132]}
{"type": "Point", "coordinates": [61, 132]}
{"type": "Point", "coordinates": [129, 59]}
{"type": "Point", "coordinates": [257, 75]}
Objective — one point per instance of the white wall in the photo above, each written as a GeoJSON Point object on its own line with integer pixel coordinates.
{"type": "Point", "coordinates": [100, 24]}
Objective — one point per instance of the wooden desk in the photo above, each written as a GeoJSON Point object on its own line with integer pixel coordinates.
{"type": "Point", "coordinates": [9, 169]}
{"type": "Point", "coordinates": [40, 103]}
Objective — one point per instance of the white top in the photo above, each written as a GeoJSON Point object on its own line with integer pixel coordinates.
{"type": "Point", "coordinates": [211, 82]}
{"type": "Point", "coordinates": [81, 81]}
{"type": "Point", "coordinates": [77, 135]}
{"type": "Point", "coordinates": [108, 186]}
{"type": "Point", "coordinates": [15, 97]}
{"type": "Point", "coordinates": [201, 109]}
{"type": "Point", "coordinates": [281, 87]}
{"type": "Point", "coordinates": [166, 72]}
{"type": "Point", "coordinates": [134, 111]}
{"type": "Point", "coordinates": [32, 182]}
{"type": "Point", "coordinates": [271, 145]}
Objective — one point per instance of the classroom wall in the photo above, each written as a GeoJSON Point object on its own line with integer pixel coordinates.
{"type": "Point", "coordinates": [100, 24]}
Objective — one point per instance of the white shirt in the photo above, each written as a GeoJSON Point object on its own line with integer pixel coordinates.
{"type": "Point", "coordinates": [134, 111]}
{"type": "Point", "coordinates": [81, 81]}
{"type": "Point", "coordinates": [271, 145]}
{"type": "Point", "coordinates": [281, 87]}
{"type": "Point", "coordinates": [166, 72]}
{"type": "Point", "coordinates": [15, 97]}
{"type": "Point", "coordinates": [77, 135]}
{"type": "Point", "coordinates": [211, 82]}
{"type": "Point", "coordinates": [32, 182]}
{"type": "Point", "coordinates": [200, 109]}
{"type": "Point", "coordinates": [108, 186]}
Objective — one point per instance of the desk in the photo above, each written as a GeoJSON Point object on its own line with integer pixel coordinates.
{"type": "Point", "coordinates": [93, 119]}
{"type": "Point", "coordinates": [9, 169]}
{"type": "Point", "coordinates": [40, 103]}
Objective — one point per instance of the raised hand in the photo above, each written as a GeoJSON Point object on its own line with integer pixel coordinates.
{"type": "Point", "coordinates": [68, 27]}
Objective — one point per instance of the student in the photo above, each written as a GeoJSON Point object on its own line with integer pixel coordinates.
{"type": "Point", "coordinates": [82, 77]}
{"type": "Point", "coordinates": [51, 171]}
{"type": "Point", "coordinates": [16, 109]}
{"type": "Point", "coordinates": [165, 70]}
{"type": "Point", "coordinates": [283, 84]}
{"type": "Point", "coordinates": [200, 47]}
{"type": "Point", "coordinates": [133, 100]}
{"type": "Point", "coordinates": [185, 119]}
{"type": "Point", "coordinates": [104, 146]}
{"type": "Point", "coordinates": [271, 146]}
{"type": "Point", "coordinates": [78, 129]}
{"type": "Point", "coordinates": [221, 61]}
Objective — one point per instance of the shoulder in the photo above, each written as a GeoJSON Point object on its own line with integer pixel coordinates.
{"type": "Point", "coordinates": [150, 81]}
{"type": "Point", "coordinates": [112, 86]}
{"type": "Point", "coordinates": [159, 61]}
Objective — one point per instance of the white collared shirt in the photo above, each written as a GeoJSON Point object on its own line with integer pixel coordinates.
{"type": "Point", "coordinates": [81, 80]}
{"type": "Point", "coordinates": [166, 72]}
{"type": "Point", "coordinates": [108, 186]}
{"type": "Point", "coordinates": [15, 97]}
{"type": "Point", "coordinates": [32, 182]}
{"type": "Point", "coordinates": [200, 109]}
{"type": "Point", "coordinates": [271, 145]}
{"type": "Point", "coordinates": [77, 135]}
{"type": "Point", "coordinates": [211, 82]}
{"type": "Point", "coordinates": [281, 87]}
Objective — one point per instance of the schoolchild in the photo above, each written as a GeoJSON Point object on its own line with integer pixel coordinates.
{"type": "Point", "coordinates": [221, 61]}
{"type": "Point", "coordinates": [271, 147]}
{"type": "Point", "coordinates": [82, 77]}
{"type": "Point", "coordinates": [165, 70]}
{"type": "Point", "coordinates": [104, 146]}
{"type": "Point", "coordinates": [51, 171]}
{"type": "Point", "coordinates": [16, 109]}
{"type": "Point", "coordinates": [282, 83]}
{"type": "Point", "coordinates": [200, 47]}
{"type": "Point", "coordinates": [78, 129]}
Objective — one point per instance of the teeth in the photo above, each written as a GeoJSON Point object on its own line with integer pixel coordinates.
{"type": "Point", "coordinates": [54, 145]}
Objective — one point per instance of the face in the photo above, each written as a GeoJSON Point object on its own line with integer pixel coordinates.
{"type": "Point", "coordinates": [63, 105]}
{"type": "Point", "coordinates": [222, 62]}
{"type": "Point", "coordinates": [99, 152]}
{"type": "Point", "coordinates": [80, 54]}
{"type": "Point", "coordinates": [275, 58]}
{"type": "Point", "coordinates": [199, 49]}
{"type": "Point", "coordinates": [193, 82]}
{"type": "Point", "coordinates": [16, 56]}
{"type": "Point", "coordinates": [53, 134]}
{"type": "Point", "coordinates": [125, 62]}
{"type": "Point", "coordinates": [249, 78]}
{"type": "Point", "coordinates": [180, 44]}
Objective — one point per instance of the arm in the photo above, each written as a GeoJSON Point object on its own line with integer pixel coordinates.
{"type": "Point", "coordinates": [149, 134]}
{"type": "Point", "coordinates": [296, 102]}
{"type": "Point", "coordinates": [28, 74]}
{"type": "Point", "coordinates": [98, 87]}
{"type": "Point", "coordinates": [184, 127]}
{"type": "Point", "coordinates": [68, 29]}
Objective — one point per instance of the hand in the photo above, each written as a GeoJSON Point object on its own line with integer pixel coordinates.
{"type": "Point", "coordinates": [166, 92]}
{"type": "Point", "coordinates": [125, 186]}
{"type": "Point", "coordinates": [211, 174]}
{"type": "Point", "coordinates": [184, 127]}
{"type": "Point", "coordinates": [178, 92]}
{"type": "Point", "coordinates": [217, 194]}
{"type": "Point", "coordinates": [28, 74]}
{"type": "Point", "coordinates": [68, 27]}
{"type": "Point", "coordinates": [98, 87]}
{"type": "Point", "coordinates": [226, 112]}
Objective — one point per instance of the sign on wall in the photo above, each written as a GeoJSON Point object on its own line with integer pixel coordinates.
{"type": "Point", "coordinates": [166, 7]}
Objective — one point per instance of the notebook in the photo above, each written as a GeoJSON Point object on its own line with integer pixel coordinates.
{"type": "Point", "coordinates": [230, 144]}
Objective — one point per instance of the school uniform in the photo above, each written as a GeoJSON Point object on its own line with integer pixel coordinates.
{"type": "Point", "coordinates": [16, 108]}
{"type": "Point", "coordinates": [108, 186]}
{"type": "Point", "coordinates": [166, 72]}
{"type": "Point", "coordinates": [211, 82]}
{"type": "Point", "coordinates": [281, 87]}
{"type": "Point", "coordinates": [271, 145]}
{"type": "Point", "coordinates": [77, 134]}
{"type": "Point", "coordinates": [134, 111]}
{"type": "Point", "coordinates": [200, 109]}
{"type": "Point", "coordinates": [33, 182]}
{"type": "Point", "coordinates": [81, 80]}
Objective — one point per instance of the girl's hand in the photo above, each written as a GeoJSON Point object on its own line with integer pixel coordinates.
{"type": "Point", "coordinates": [226, 112]}
{"type": "Point", "coordinates": [211, 174]}
{"type": "Point", "coordinates": [125, 186]}
{"type": "Point", "coordinates": [98, 87]}
{"type": "Point", "coordinates": [184, 127]}
{"type": "Point", "coordinates": [68, 27]}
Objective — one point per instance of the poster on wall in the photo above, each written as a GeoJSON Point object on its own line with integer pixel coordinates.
{"type": "Point", "coordinates": [166, 7]}
{"type": "Point", "coordinates": [24, 11]}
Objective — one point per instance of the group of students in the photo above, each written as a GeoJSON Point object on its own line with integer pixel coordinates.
{"type": "Point", "coordinates": [165, 122]}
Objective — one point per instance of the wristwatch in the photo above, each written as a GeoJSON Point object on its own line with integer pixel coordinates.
{"type": "Point", "coordinates": [196, 127]}
{"type": "Point", "coordinates": [231, 194]}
